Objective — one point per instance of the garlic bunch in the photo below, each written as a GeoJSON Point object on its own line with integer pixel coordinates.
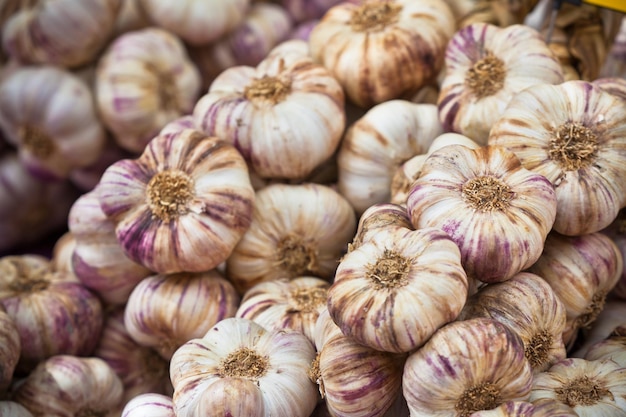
{"type": "Point", "coordinates": [62, 33]}
{"type": "Point", "coordinates": [241, 369]}
{"type": "Point", "coordinates": [283, 304]}
{"type": "Point", "coordinates": [466, 366]}
{"type": "Point", "coordinates": [527, 305]}
{"type": "Point", "coordinates": [150, 404]}
{"type": "Point", "coordinates": [384, 289]}
{"type": "Point", "coordinates": [574, 134]}
{"type": "Point", "coordinates": [539, 408]}
{"type": "Point", "coordinates": [591, 388]}
{"type": "Point", "coordinates": [49, 115]}
{"type": "Point", "coordinates": [144, 80]}
{"type": "Point", "coordinates": [67, 386]}
{"type": "Point", "coordinates": [382, 49]}
{"type": "Point", "coordinates": [377, 143]}
{"type": "Point", "coordinates": [296, 230]}
{"type": "Point", "coordinates": [182, 205]}
{"type": "Point", "coordinates": [497, 212]}
{"type": "Point", "coordinates": [53, 312]}
{"type": "Point", "coordinates": [10, 348]}
{"type": "Point", "coordinates": [274, 113]}
{"type": "Point", "coordinates": [196, 21]}
{"type": "Point", "coordinates": [485, 66]}
{"type": "Point", "coordinates": [165, 311]}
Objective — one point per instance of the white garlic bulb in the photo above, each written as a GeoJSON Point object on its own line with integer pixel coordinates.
{"type": "Point", "coordinates": [149, 405]}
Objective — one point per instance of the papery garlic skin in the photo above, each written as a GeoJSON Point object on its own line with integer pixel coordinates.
{"type": "Point", "coordinates": [396, 289]}
{"type": "Point", "coordinates": [66, 385]}
{"type": "Point", "coordinates": [48, 113]}
{"type": "Point", "coordinates": [149, 404]}
{"type": "Point", "coordinates": [613, 348]}
{"type": "Point", "coordinates": [296, 230]}
{"type": "Point", "coordinates": [540, 408]}
{"type": "Point", "coordinates": [498, 212]}
{"type": "Point", "coordinates": [196, 21]}
{"type": "Point", "coordinates": [285, 107]}
{"type": "Point", "coordinates": [380, 50]}
{"type": "Point", "coordinates": [10, 348]}
{"type": "Point", "coordinates": [182, 205]}
{"type": "Point", "coordinates": [574, 134]}
{"type": "Point", "coordinates": [485, 65]}
{"type": "Point", "coordinates": [62, 33]}
{"type": "Point", "coordinates": [165, 311]}
{"type": "Point", "coordinates": [144, 80]}
{"type": "Point", "coordinates": [591, 388]}
{"type": "Point", "coordinates": [466, 366]}
{"type": "Point", "coordinates": [613, 85]}
{"type": "Point", "coordinates": [13, 409]}
{"type": "Point", "coordinates": [376, 144]}
{"type": "Point", "coordinates": [208, 374]}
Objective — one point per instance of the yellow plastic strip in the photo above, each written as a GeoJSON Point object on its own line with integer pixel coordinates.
{"type": "Point", "coordinates": [619, 5]}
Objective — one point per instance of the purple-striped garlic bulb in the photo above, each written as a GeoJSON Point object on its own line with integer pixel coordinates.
{"type": "Point", "coordinates": [141, 369]}
{"type": "Point", "coordinates": [383, 290]}
{"type": "Point", "coordinates": [354, 379]}
{"type": "Point", "coordinates": [613, 347]}
{"type": "Point", "coordinates": [180, 206]}
{"type": "Point", "coordinates": [591, 388]}
{"type": "Point", "coordinates": [48, 114]}
{"type": "Point", "coordinates": [197, 22]}
{"type": "Point", "coordinates": [62, 33]}
{"type": "Point", "coordinates": [13, 409]}
{"type": "Point", "coordinates": [98, 260]}
{"type": "Point", "coordinates": [539, 408]}
{"type": "Point", "coordinates": [574, 134]}
{"type": "Point", "coordinates": [165, 311]}
{"type": "Point", "coordinates": [10, 348]}
{"type": "Point", "coordinates": [149, 405]}
{"type": "Point", "coordinates": [176, 125]}
{"type": "Point", "coordinates": [144, 80]}
{"type": "Point", "coordinates": [377, 217]}
{"type": "Point", "coordinates": [581, 270]}
{"type": "Point", "coordinates": [287, 304]}
{"type": "Point", "coordinates": [485, 66]}
{"type": "Point", "coordinates": [383, 49]}
{"type": "Point", "coordinates": [292, 234]}
{"type": "Point", "coordinates": [378, 143]}
{"type": "Point", "coordinates": [495, 210]}
{"type": "Point", "coordinates": [67, 386]}
{"type": "Point", "coordinates": [239, 368]}
{"type": "Point", "coordinates": [53, 312]}
{"type": "Point", "coordinates": [530, 307]}
{"type": "Point", "coordinates": [253, 108]}
{"type": "Point", "coordinates": [466, 366]}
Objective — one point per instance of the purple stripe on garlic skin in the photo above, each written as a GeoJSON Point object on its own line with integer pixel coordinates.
{"type": "Point", "coordinates": [149, 404]}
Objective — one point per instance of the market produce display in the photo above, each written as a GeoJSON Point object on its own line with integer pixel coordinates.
{"type": "Point", "coordinates": [312, 208]}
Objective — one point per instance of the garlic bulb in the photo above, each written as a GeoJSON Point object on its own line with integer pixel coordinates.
{"type": "Point", "coordinates": [498, 212]}
{"type": "Point", "coordinates": [376, 144]}
{"type": "Point", "coordinates": [353, 379]}
{"type": "Point", "coordinates": [149, 405]}
{"type": "Point", "coordinates": [502, 13]}
{"type": "Point", "coordinates": [396, 289]}
{"type": "Point", "coordinates": [613, 347]}
{"type": "Point", "coordinates": [65, 385]}
{"type": "Point", "coordinates": [574, 134]}
{"type": "Point", "coordinates": [274, 113]}
{"type": "Point", "coordinates": [98, 260]}
{"type": "Point", "coordinates": [10, 348]}
{"type": "Point", "coordinates": [165, 311]}
{"type": "Point", "coordinates": [292, 234]}
{"type": "Point", "coordinates": [380, 50]}
{"type": "Point", "coordinates": [144, 80]}
{"type": "Point", "coordinates": [485, 65]}
{"type": "Point", "coordinates": [591, 388]}
{"type": "Point", "coordinates": [528, 305]}
{"type": "Point", "coordinates": [283, 304]}
{"type": "Point", "coordinates": [130, 18]}
{"type": "Point", "coordinates": [62, 33]}
{"type": "Point", "coordinates": [182, 205]}
{"type": "Point", "coordinates": [612, 316]}
{"type": "Point", "coordinates": [49, 115]}
{"type": "Point", "coordinates": [13, 409]}
{"type": "Point", "coordinates": [196, 21]}
{"type": "Point", "coordinates": [540, 408]}
{"type": "Point", "coordinates": [54, 314]}
{"type": "Point", "coordinates": [613, 85]}
{"type": "Point", "coordinates": [581, 270]}
{"type": "Point", "coordinates": [466, 366]}
{"type": "Point", "coordinates": [241, 369]}
{"type": "Point", "coordinates": [379, 217]}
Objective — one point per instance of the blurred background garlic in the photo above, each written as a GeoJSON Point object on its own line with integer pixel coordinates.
{"type": "Point", "coordinates": [13, 409]}
{"type": "Point", "coordinates": [382, 49]}
{"type": "Point", "coordinates": [63, 33]}
{"type": "Point", "coordinates": [501, 13]}
{"type": "Point", "coordinates": [182, 205]}
{"type": "Point", "coordinates": [574, 134]}
{"type": "Point", "coordinates": [144, 80]}
{"type": "Point", "coordinates": [613, 347]}
{"type": "Point", "coordinates": [485, 65]}
{"type": "Point", "coordinates": [49, 115]}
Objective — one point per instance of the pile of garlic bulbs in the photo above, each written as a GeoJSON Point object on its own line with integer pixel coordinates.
{"type": "Point", "coordinates": [381, 208]}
